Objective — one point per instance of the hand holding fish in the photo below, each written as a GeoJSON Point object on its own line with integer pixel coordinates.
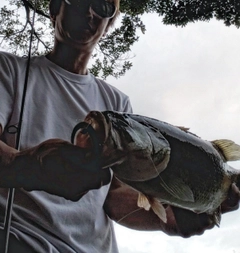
{"type": "Point", "coordinates": [121, 206]}
{"type": "Point", "coordinates": [55, 166]}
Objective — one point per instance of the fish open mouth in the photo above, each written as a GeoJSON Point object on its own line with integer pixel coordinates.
{"type": "Point", "coordinates": [82, 134]}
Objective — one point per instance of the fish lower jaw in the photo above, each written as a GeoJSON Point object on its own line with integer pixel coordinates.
{"type": "Point", "coordinates": [97, 121]}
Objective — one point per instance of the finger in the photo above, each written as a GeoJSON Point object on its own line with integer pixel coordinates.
{"type": "Point", "coordinates": [190, 223]}
{"type": "Point", "coordinates": [106, 176]}
{"type": "Point", "coordinates": [232, 201]}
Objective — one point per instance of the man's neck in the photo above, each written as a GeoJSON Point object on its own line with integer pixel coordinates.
{"type": "Point", "coordinates": [70, 59]}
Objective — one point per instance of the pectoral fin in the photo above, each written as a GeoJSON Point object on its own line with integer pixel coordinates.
{"type": "Point", "coordinates": [178, 189]}
{"type": "Point", "coordinates": [143, 202]}
{"type": "Point", "coordinates": [155, 204]}
{"type": "Point", "coordinates": [229, 149]}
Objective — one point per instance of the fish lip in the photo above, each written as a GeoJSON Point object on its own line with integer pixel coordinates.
{"type": "Point", "coordinates": [98, 122]}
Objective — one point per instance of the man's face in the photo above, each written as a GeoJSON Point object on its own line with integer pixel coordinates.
{"type": "Point", "coordinates": [78, 26]}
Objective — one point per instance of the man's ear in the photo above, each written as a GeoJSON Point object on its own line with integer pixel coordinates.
{"type": "Point", "coordinates": [106, 29]}
{"type": "Point", "coordinates": [53, 18]}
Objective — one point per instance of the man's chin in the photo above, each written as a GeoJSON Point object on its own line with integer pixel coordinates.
{"type": "Point", "coordinates": [84, 38]}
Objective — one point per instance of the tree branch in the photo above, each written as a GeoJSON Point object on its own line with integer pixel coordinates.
{"type": "Point", "coordinates": [29, 5]}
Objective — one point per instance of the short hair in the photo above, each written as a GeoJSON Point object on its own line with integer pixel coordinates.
{"type": "Point", "coordinates": [55, 5]}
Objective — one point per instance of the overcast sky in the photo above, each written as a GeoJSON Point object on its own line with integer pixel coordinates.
{"type": "Point", "coordinates": [190, 77]}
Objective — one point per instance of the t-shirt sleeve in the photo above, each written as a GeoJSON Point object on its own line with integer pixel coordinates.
{"type": "Point", "coordinates": [128, 106]}
{"type": "Point", "coordinates": [6, 89]}
{"type": "Point", "coordinates": [114, 99]}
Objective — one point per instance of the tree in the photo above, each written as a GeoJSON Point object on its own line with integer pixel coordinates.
{"type": "Point", "coordinates": [112, 54]}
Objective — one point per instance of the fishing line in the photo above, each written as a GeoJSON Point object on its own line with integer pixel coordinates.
{"type": "Point", "coordinates": [162, 181]}
{"type": "Point", "coordinates": [17, 130]}
{"type": "Point", "coordinates": [173, 189]}
{"type": "Point", "coordinates": [141, 208]}
{"type": "Point", "coordinates": [170, 190]}
{"type": "Point", "coordinates": [125, 216]}
{"type": "Point", "coordinates": [154, 166]}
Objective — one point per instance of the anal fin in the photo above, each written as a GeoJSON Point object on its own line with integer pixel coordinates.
{"type": "Point", "coordinates": [158, 209]}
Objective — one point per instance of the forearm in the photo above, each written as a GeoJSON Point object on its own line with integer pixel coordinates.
{"type": "Point", "coordinates": [54, 166]}
{"type": "Point", "coordinates": [121, 206]}
{"type": "Point", "coordinates": [26, 169]}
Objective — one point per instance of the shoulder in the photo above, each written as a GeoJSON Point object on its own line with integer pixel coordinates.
{"type": "Point", "coordinates": [8, 57]}
{"type": "Point", "coordinates": [15, 60]}
{"type": "Point", "coordinates": [121, 100]}
{"type": "Point", "coordinates": [11, 62]}
{"type": "Point", "coordinates": [109, 87]}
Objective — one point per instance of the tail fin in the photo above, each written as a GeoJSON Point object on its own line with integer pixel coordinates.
{"type": "Point", "coordinates": [229, 149]}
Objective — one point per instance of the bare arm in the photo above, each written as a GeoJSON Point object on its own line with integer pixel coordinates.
{"type": "Point", "coordinates": [121, 206]}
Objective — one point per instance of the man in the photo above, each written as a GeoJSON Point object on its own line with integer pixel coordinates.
{"type": "Point", "coordinates": [72, 213]}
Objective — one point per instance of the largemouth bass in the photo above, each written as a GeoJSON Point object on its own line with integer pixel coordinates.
{"type": "Point", "coordinates": [164, 163]}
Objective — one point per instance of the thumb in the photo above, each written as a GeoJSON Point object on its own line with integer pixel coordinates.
{"type": "Point", "coordinates": [106, 176]}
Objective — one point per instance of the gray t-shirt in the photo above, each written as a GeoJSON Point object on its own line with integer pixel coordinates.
{"type": "Point", "coordinates": [56, 101]}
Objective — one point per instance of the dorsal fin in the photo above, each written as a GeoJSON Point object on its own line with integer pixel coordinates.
{"type": "Point", "coordinates": [229, 149]}
{"type": "Point", "coordinates": [185, 129]}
